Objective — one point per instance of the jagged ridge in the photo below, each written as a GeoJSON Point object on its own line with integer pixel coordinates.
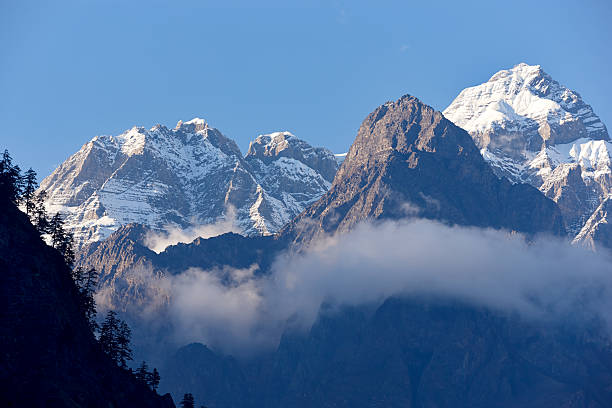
{"type": "Point", "coordinates": [188, 175]}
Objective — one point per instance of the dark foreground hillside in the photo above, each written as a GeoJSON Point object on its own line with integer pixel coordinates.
{"type": "Point", "coordinates": [49, 357]}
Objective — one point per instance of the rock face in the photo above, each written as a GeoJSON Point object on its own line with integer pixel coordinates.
{"type": "Point", "coordinates": [531, 129]}
{"type": "Point", "coordinates": [49, 356]}
{"type": "Point", "coordinates": [128, 269]}
{"type": "Point", "coordinates": [186, 176]}
{"type": "Point", "coordinates": [597, 231]}
{"type": "Point", "coordinates": [291, 175]}
{"type": "Point", "coordinates": [409, 160]}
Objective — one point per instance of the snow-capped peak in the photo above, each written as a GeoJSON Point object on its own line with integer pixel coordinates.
{"type": "Point", "coordinates": [184, 177]}
{"type": "Point", "coordinates": [532, 129]}
{"type": "Point", "coordinates": [192, 126]}
{"type": "Point", "coordinates": [521, 71]}
{"type": "Point", "coordinates": [132, 141]}
{"type": "Point", "coordinates": [272, 144]}
{"type": "Point", "coordinates": [275, 139]}
{"type": "Point", "coordinates": [196, 121]}
{"type": "Point", "coordinates": [523, 109]}
{"type": "Point", "coordinates": [277, 145]}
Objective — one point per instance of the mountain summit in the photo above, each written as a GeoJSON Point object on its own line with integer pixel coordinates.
{"type": "Point", "coordinates": [532, 129]}
{"type": "Point", "coordinates": [523, 108]}
{"type": "Point", "coordinates": [183, 177]}
{"type": "Point", "coordinates": [409, 160]}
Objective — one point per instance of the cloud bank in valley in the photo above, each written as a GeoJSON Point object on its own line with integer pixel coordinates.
{"type": "Point", "coordinates": [157, 241]}
{"type": "Point", "coordinates": [546, 279]}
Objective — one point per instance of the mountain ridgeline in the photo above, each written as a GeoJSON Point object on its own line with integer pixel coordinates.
{"type": "Point", "coordinates": [186, 177]}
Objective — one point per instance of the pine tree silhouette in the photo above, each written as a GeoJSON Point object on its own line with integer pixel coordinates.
{"type": "Point", "coordinates": [11, 182]}
{"type": "Point", "coordinates": [188, 401]}
{"type": "Point", "coordinates": [154, 379]}
{"type": "Point", "coordinates": [115, 339]}
{"type": "Point", "coordinates": [86, 282]}
{"type": "Point", "coordinates": [39, 217]}
{"type": "Point", "coordinates": [142, 373]}
{"type": "Point", "coordinates": [29, 191]}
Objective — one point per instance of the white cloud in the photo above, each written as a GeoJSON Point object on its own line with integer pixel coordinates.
{"type": "Point", "coordinates": [159, 241]}
{"type": "Point", "coordinates": [235, 311]}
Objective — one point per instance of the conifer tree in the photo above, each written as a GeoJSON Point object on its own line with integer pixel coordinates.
{"type": "Point", "coordinates": [154, 379]}
{"type": "Point", "coordinates": [108, 336]}
{"type": "Point", "coordinates": [115, 339]}
{"type": "Point", "coordinates": [56, 230]}
{"type": "Point", "coordinates": [39, 217]}
{"type": "Point", "coordinates": [61, 240]}
{"type": "Point", "coordinates": [78, 276]}
{"type": "Point", "coordinates": [67, 248]}
{"type": "Point", "coordinates": [124, 337]}
{"type": "Point", "coordinates": [29, 191]}
{"type": "Point", "coordinates": [188, 401]}
{"type": "Point", "coordinates": [142, 373]}
{"type": "Point", "coordinates": [86, 282]}
{"type": "Point", "coordinates": [90, 282]}
{"type": "Point", "coordinates": [11, 182]}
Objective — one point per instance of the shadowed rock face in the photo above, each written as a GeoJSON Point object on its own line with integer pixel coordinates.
{"type": "Point", "coordinates": [597, 231]}
{"type": "Point", "coordinates": [49, 357]}
{"type": "Point", "coordinates": [121, 258]}
{"type": "Point", "coordinates": [408, 353]}
{"type": "Point", "coordinates": [408, 160]}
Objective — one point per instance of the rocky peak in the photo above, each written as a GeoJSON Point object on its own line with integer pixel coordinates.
{"type": "Point", "coordinates": [406, 126]}
{"type": "Point", "coordinates": [409, 160]}
{"type": "Point", "coordinates": [192, 126]}
{"type": "Point", "coordinates": [271, 147]}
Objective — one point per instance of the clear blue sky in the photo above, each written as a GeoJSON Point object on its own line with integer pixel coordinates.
{"type": "Point", "coordinates": [70, 70]}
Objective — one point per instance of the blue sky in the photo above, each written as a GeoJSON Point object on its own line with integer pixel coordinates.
{"type": "Point", "coordinates": [70, 70]}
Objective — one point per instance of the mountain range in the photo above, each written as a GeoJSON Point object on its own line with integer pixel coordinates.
{"type": "Point", "coordinates": [185, 177]}
{"type": "Point", "coordinates": [519, 153]}
{"type": "Point", "coordinates": [528, 127]}
{"type": "Point", "coordinates": [409, 161]}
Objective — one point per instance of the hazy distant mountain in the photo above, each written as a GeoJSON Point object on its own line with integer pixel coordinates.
{"type": "Point", "coordinates": [532, 129]}
{"type": "Point", "coordinates": [186, 176]}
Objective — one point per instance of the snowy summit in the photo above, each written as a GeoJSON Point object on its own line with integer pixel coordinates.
{"type": "Point", "coordinates": [183, 177]}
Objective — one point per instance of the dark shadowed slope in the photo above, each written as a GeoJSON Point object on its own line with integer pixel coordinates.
{"type": "Point", "coordinates": [409, 353]}
{"type": "Point", "coordinates": [408, 160]}
{"type": "Point", "coordinates": [49, 357]}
